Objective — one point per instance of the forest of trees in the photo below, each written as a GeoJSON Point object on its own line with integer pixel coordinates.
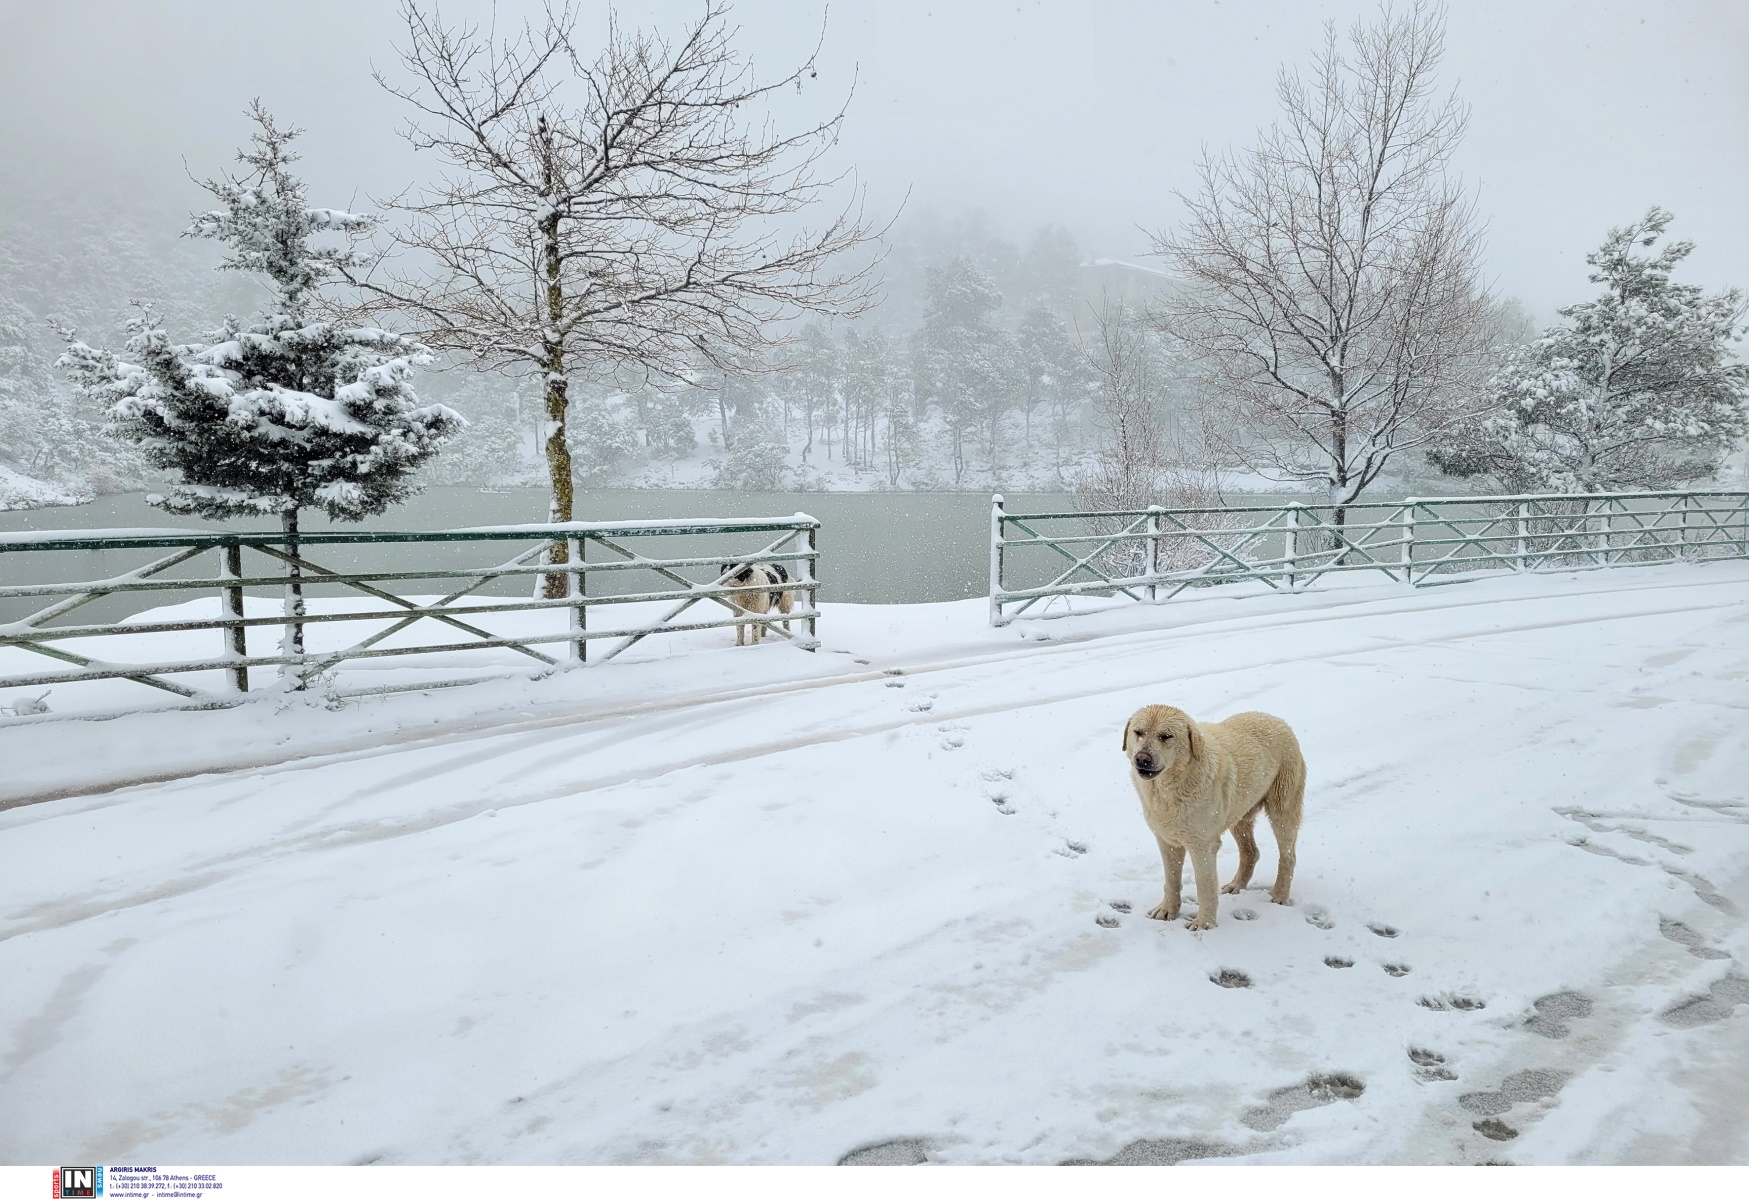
{"type": "Point", "coordinates": [1318, 324]}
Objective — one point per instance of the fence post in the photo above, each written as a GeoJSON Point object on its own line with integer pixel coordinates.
{"type": "Point", "coordinates": [814, 575]}
{"type": "Point", "coordinates": [1687, 510]}
{"type": "Point", "coordinates": [996, 559]}
{"type": "Point", "coordinates": [1154, 512]}
{"type": "Point", "coordinates": [578, 614]}
{"type": "Point", "coordinates": [236, 639]}
{"type": "Point", "coordinates": [1523, 532]}
{"type": "Point", "coordinates": [1291, 543]}
{"type": "Point", "coordinates": [1406, 543]}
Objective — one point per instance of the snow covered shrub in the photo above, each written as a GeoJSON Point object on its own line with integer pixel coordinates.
{"type": "Point", "coordinates": [1636, 390]}
{"type": "Point", "coordinates": [669, 429]}
{"type": "Point", "coordinates": [602, 439]}
{"type": "Point", "coordinates": [755, 465]}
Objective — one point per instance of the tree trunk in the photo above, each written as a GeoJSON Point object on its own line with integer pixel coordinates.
{"type": "Point", "coordinates": [557, 389]}
{"type": "Point", "coordinates": [293, 641]}
{"type": "Point", "coordinates": [723, 415]}
{"type": "Point", "coordinates": [558, 471]}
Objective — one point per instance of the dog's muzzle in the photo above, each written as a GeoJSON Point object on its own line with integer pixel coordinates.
{"type": "Point", "coordinates": [1147, 767]}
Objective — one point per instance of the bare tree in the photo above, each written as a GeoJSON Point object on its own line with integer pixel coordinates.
{"type": "Point", "coordinates": [620, 212]}
{"type": "Point", "coordinates": [1333, 293]}
{"type": "Point", "coordinates": [1145, 455]}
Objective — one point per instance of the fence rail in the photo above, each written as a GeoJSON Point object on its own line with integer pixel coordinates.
{"type": "Point", "coordinates": [218, 561]}
{"type": "Point", "coordinates": [1152, 555]}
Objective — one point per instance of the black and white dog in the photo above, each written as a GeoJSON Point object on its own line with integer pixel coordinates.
{"type": "Point", "coordinates": [763, 593]}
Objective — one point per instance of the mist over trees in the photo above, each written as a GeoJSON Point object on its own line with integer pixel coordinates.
{"type": "Point", "coordinates": [616, 267]}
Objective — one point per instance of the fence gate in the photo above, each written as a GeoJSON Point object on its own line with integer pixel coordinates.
{"type": "Point", "coordinates": [202, 652]}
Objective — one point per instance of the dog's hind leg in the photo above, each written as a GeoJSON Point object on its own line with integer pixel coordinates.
{"type": "Point", "coordinates": [1284, 804]}
{"type": "Point", "coordinates": [1172, 858]}
{"type": "Point", "coordinates": [1244, 833]}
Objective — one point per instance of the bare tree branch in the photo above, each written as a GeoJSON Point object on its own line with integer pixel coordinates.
{"type": "Point", "coordinates": [1334, 297]}
{"type": "Point", "coordinates": [620, 211]}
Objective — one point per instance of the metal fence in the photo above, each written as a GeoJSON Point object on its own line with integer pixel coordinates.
{"type": "Point", "coordinates": [1152, 555]}
{"type": "Point", "coordinates": [601, 572]}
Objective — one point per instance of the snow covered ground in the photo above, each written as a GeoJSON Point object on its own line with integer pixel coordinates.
{"type": "Point", "coordinates": [885, 901]}
{"type": "Point", "coordinates": [20, 491]}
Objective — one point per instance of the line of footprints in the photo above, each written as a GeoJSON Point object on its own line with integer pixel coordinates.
{"type": "Point", "coordinates": [1552, 1017]}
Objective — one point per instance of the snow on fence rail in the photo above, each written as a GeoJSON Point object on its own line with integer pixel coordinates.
{"type": "Point", "coordinates": [278, 563]}
{"type": "Point", "coordinates": [1152, 555]}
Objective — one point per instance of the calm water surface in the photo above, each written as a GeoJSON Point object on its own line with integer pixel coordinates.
{"type": "Point", "coordinates": [876, 548]}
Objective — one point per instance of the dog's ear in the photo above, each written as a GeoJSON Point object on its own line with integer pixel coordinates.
{"type": "Point", "coordinates": [1194, 737]}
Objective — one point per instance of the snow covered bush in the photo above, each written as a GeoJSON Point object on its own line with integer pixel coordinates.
{"type": "Point", "coordinates": [757, 464]}
{"type": "Point", "coordinates": [601, 437]}
{"type": "Point", "coordinates": [1637, 389]}
{"type": "Point", "coordinates": [668, 428]}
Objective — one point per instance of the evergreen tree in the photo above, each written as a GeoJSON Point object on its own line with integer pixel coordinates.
{"type": "Point", "coordinates": [668, 425]}
{"type": "Point", "coordinates": [966, 361]}
{"type": "Point", "coordinates": [602, 438]}
{"type": "Point", "coordinates": [1054, 371]}
{"type": "Point", "coordinates": [809, 384]}
{"type": "Point", "coordinates": [1637, 389]}
{"type": "Point", "coordinates": [288, 411]}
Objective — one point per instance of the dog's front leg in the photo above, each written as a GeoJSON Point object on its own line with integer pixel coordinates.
{"type": "Point", "coordinates": [1172, 858]}
{"type": "Point", "coordinates": [1208, 889]}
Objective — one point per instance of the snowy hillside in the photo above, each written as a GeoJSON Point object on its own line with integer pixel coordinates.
{"type": "Point", "coordinates": [886, 901]}
{"type": "Point", "coordinates": [19, 491]}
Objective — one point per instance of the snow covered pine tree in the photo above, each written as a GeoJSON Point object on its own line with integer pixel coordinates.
{"type": "Point", "coordinates": [1637, 390]}
{"type": "Point", "coordinates": [284, 413]}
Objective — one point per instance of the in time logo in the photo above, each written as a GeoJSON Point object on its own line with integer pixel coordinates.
{"type": "Point", "coordinates": [79, 1182]}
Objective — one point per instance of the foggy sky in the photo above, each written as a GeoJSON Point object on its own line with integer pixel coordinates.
{"type": "Point", "coordinates": [1584, 114]}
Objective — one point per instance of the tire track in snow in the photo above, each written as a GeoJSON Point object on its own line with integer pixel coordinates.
{"type": "Point", "coordinates": [516, 741]}
{"type": "Point", "coordinates": [1132, 643]}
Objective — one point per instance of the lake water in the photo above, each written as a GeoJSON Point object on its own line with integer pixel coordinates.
{"type": "Point", "coordinates": [876, 547]}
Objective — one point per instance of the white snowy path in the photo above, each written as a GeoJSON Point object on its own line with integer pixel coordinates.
{"type": "Point", "coordinates": [628, 923]}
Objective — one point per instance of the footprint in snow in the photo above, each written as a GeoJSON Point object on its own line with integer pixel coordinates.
{"type": "Point", "coordinates": [1554, 1011]}
{"type": "Point", "coordinates": [1457, 1001]}
{"type": "Point", "coordinates": [1314, 1092]}
{"type": "Point", "coordinates": [1120, 906]}
{"type": "Point", "coordinates": [1000, 800]}
{"type": "Point", "coordinates": [895, 1153]}
{"type": "Point", "coordinates": [1676, 932]}
{"type": "Point", "coordinates": [1495, 1129]}
{"type": "Point", "coordinates": [1244, 915]}
{"type": "Point", "coordinates": [1317, 915]}
{"type": "Point", "coordinates": [1071, 850]}
{"type": "Point", "coordinates": [1108, 920]}
{"type": "Point", "coordinates": [1430, 1065]}
{"type": "Point", "coordinates": [1383, 931]}
{"type": "Point", "coordinates": [1534, 1084]}
{"type": "Point", "coordinates": [922, 704]}
{"type": "Point", "coordinates": [1229, 977]}
{"type": "Point", "coordinates": [1715, 1005]}
{"type": "Point", "coordinates": [1395, 969]}
{"type": "Point", "coordinates": [1338, 961]}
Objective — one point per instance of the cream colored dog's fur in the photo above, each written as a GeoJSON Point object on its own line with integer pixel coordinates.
{"type": "Point", "coordinates": [1198, 781]}
{"type": "Point", "coordinates": [760, 600]}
